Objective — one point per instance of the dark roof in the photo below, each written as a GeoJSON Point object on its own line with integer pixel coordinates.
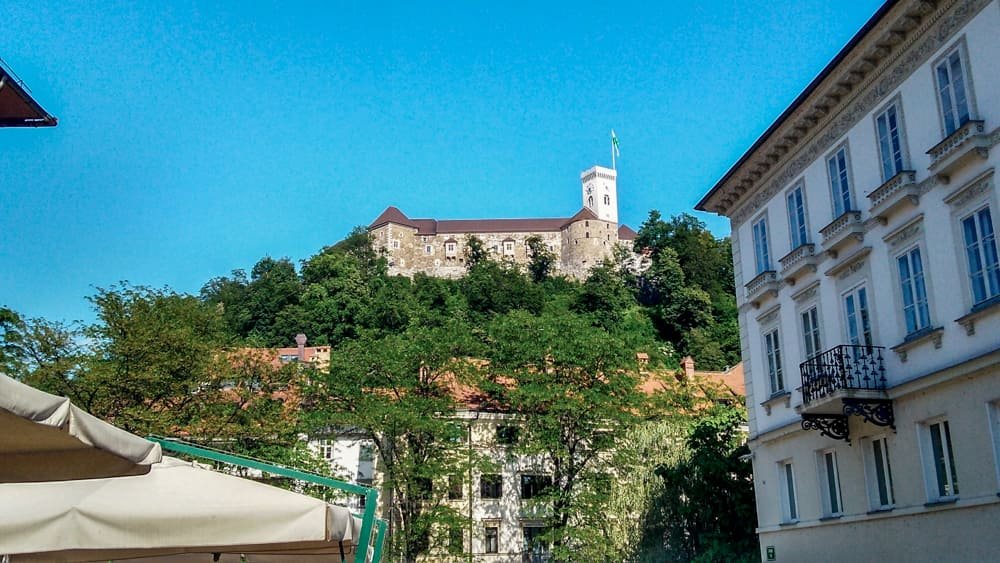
{"type": "Point", "coordinates": [823, 75]}
{"type": "Point", "coordinates": [626, 233]}
{"type": "Point", "coordinates": [458, 226]}
{"type": "Point", "coordinates": [17, 107]}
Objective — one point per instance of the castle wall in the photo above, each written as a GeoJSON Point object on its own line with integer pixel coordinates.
{"type": "Point", "coordinates": [585, 244]}
{"type": "Point", "coordinates": [444, 254]}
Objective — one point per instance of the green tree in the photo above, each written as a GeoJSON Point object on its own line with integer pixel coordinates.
{"type": "Point", "coordinates": [575, 390]}
{"type": "Point", "coordinates": [541, 259]}
{"type": "Point", "coordinates": [398, 390]}
{"type": "Point", "coordinates": [706, 510]}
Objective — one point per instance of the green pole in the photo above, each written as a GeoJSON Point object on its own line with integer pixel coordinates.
{"type": "Point", "coordinates": [381, 527]}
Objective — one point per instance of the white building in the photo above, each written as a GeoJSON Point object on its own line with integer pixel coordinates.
{"type": "Point", "coordinates": [864, 248]}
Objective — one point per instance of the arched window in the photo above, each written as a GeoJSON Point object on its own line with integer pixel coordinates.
{"type": "Point", "coordinates": [607, 199]}
{"type": "Point", "coordinates": [590, 201]}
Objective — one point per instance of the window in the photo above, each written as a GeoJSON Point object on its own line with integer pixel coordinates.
{"type": "Point", "coordinates": [839, 183]}
{"type": "Point", "coordinates": [810, 332]}
{"type": "Point", "coordinates": [772, 351]}
{"type": "Point", "coordinates": [830, 482]}
{"type": "Point", "coordinates": [857, 318]}
{"type": "Point", "coordinates": [879, 473]}
{"type": "Point", "coordinates": [363, 499]}
{"type": "Point", "coordinates": [535, 546]}
{"type": "Point", "coordinates": [786, 480]}
{"type": "Point", "coordinates": [911, 280]}
{"type": "Point", "coordinates": [507, 434]}
{"type": "Point", "coordinates": [326, 449]}
{"type": "Point", "coordinates": [428, 249]}
{"type": "Point", "coordinates": [492, 539]}
{"type": "Point", "coordinates": [395, 244]}
{"type": "Point", "coordinates": [760, 248]}
{"type": "Point", "coordinates": [449, 248]}
{"type": "Point", "coordinates": [607, 200]}
{"type": "Point", "coordinates": [366, 453]}
{"type": "Point", "coordinates": [534, 485]}
{"type": "Point", "coordinates": [939, 461]}
{"type": "Point", "coordinates": [590, 201]}
{"type": "Point", "coordinates": [890, 145]}
{"type": "Point", "coordinates": [981, 253]}
{"type": "Point", "coordinates": [490, 486]}
{"type": "Point", "coordinates": [454, 487]}
{"type": "Point", "coordinates": [952, 92]}
{"type": "Point", "coordinates": [797, 217]}
{"type": "Point", "coordinates": [508, 247]}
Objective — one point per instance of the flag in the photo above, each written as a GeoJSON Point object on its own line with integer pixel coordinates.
{"type": "Point", "coordinates": [614, 143]}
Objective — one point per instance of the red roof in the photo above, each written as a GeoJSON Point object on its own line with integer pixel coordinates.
{"type": "Point", "coordinates": [458, 226]}
{"type": "Point", "coordinates": [626, 233]}
{"type": "Point", "coordinates": [17, 107]}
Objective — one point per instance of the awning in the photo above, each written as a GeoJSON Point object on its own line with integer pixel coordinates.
{"type": "Point", "coordinates": [179, 511]}
{"type": "Point", "coordinates": [47, 438]}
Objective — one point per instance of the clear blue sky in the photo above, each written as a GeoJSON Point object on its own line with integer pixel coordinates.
{"type": "Point", "coordinates": [196, 138]}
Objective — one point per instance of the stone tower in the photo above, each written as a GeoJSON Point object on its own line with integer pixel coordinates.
{"type": "Point", "coordinates": [600, 192]}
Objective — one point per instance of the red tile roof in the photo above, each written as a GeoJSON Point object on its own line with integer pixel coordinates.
{"type": "Point", "coordinates": [17, 107]}
{"type": "Point", "coordinates": [626, 233]}
{"type": "Point", "coordinates": [458, 226]}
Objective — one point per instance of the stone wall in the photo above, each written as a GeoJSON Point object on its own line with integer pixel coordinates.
{"type": "Point", "coordinates": [585, 244]}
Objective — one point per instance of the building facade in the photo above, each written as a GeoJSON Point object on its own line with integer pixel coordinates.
{"type": "Point", "coordinates": [439, 247]}
{"type": "Point", "coordinates": [869, 291]}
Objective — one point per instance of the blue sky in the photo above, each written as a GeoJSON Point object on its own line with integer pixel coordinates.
{"type": "Point", "coordinates": [196, 138]}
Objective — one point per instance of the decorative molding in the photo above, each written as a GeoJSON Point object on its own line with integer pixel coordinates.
{"type": "Point", "coordinates": [933, 32]}
{"type": "Point", "coordinates": [777, 398]}
{"type": "Point", "coordinates": [986, 308]}
{"type": "Point", "coordinates": [806, 293]}
{"type": "Point", "coordinates": [971, 190]}
{"type": "Point", "coordinates": [770, 316]}
{"type": "Point", "coordinates": [849, 265]}
{"type": "Point", "coordinates": [906, 232]}
{"type": "Point", "coordinates": [913, 340]}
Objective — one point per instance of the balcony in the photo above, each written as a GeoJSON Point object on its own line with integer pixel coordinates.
{"type": "Point", "coordinates": [843, 231]}
{"type": "Point", "coordinates": [968, 140]}
{"type": "Point", "coordinates": [842, 381]}
{"type": "Point", "coordinates": [899, 191]}
{"type": "Point", "coordinates": [798, 262]}
{"type": "Point", "coordinates": [763, 287]}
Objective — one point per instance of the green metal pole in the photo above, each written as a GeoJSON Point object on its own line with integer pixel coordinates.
{"type": "Point", "coordinates": [381, 527]}
{"type": "Point", "coordinates": [371, 495]}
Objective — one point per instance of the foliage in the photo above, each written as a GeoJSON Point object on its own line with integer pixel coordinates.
{"type": "Point", "coordinates": [542, 260]}
{"type": "Point", "coordinates": [706, 509]}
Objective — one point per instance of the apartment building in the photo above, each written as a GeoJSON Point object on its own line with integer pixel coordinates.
{"type": "Point", "coordinates": [863, 231]}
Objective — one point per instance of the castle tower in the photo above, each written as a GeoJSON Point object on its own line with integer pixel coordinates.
{"type": "Point", "coordinates": [600, 192]}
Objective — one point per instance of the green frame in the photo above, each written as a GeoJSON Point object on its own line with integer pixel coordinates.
{"type": "Point", "coordinates": [368, 519]}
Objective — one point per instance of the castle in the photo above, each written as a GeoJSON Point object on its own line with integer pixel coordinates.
{"type": "Point", "coordinates": [438, 247]}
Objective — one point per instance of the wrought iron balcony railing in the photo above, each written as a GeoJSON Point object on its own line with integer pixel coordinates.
{"type": "Point", "coordinates": [842, 367]}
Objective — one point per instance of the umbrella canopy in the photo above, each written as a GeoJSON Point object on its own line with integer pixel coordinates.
{"type": "Point", "coordinates": [178, 511]}
{"type": "Point", "coordinates": [47, 438]}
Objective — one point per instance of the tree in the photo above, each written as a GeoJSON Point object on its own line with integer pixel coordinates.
{"type": "Point", "coordinates": [575, 390]}
{"type": "Point", "coordinates": [706, 511]}
{"type": "Point", "coordinates": [541, 259]}
{"type": "Point", "coordinates": [398, 390]}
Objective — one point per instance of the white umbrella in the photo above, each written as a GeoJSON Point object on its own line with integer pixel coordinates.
{"type": "Point", "coordinates": [47, 438]}
{"type": "Point", "coordinates": [177, 509]}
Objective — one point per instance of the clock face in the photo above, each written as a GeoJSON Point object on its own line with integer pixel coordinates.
{"type": "Point", "coordinates": [590, 189]}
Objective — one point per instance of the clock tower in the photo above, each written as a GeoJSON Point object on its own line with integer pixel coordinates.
{"type": "Point", "coordinates": [600, 192]}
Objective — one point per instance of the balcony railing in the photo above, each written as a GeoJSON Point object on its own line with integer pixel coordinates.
{"type": "Point", "coordinates": [970, 138]}
{"type": "Point", "coordinates": [842, 367]}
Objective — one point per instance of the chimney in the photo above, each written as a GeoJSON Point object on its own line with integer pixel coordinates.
{"type": "Point", "coordinates": [687, 364]}
{"type": "Point", "coordinates": [300, 341]}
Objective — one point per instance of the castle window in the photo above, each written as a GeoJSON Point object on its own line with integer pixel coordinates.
{"type": "Point", "coordinates": [590, 201]}
{"type": "Point", "coordinates": [449, 248]}
{"type": "Point", "coordinates": [508, 247]}
{"type": "Point", "coordinates": [395, 244]}
{"type": "Point", "coordinates": [586, 223]}
{"type": "Point", "coordinates": [607, 199]}
{"type": "Point", "coordinates": [428, 249]}
{"type": "Point", "coordinates": [588, 234]}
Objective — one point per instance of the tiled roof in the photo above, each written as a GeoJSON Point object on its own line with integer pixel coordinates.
{"type": "Point", "coordinates": [626, 233]}
{"type": "Point", "coordinates": [17, 107]}
{"type": "Point", "coordinates": [459, 226]}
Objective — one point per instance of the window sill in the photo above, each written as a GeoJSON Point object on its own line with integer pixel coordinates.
{"type": "Point", "coordinates": [914, 339]}
{"type": "Point", "coordinates": [941, 502]}
{"type": "Point", "coordinates": [882, 510]}
{"type": "Point", "coordinates": [788, 523]}
{"type": "Point", "coordinates": [777, 398]}
{"type": "Point", "coordinates": [831, 517]}
{"type": "Point", "coordinates": [979, 310]}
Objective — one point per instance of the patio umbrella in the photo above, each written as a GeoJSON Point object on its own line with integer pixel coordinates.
{"type": "Point", "coordinates": [179, 511]}
{"type": "Point", "coordinates": [47, 438]}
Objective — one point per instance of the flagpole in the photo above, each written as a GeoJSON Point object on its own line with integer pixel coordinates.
{"type": "Point", "coordinates": [614, 166]}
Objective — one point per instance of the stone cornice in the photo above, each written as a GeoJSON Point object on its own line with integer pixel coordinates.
{"type": "Point", "coordinates": [905, 38]}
